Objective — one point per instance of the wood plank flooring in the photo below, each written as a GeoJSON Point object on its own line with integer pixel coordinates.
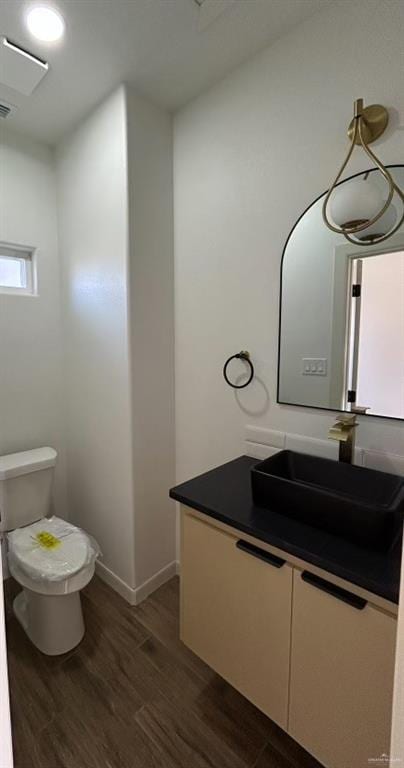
{"type": "Point", "coordinates": [133, 696]}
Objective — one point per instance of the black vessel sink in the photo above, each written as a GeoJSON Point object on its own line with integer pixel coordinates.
{"type": "Point", "coordinates": [361, 505]}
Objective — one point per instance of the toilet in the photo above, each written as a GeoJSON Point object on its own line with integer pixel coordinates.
{"type": "Point", "coordinates": [50, 558]}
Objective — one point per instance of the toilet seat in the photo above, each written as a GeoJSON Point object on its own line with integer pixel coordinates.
{"type": "Point", "coordinates": [56, 588]}
{"type": "Point", "coordinates": [51, 556]}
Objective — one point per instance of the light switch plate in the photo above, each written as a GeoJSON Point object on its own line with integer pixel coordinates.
{"type": "Point", "coordinates": [314, 366]}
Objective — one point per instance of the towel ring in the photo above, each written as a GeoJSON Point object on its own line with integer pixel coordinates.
{"type": "Point", "coordinates": [239, 356]}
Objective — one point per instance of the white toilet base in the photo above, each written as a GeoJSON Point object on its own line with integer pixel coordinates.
{"type": "Point", "coordinates": [53, 623]}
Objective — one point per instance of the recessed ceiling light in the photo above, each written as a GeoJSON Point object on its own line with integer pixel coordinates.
{"type": "Point", "coordinates": [45, 24]}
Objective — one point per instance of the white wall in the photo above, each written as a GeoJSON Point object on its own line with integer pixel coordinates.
{"type": "Point", "coordinates": [31, 386]}
{"type": "Point", "coordinates": [116, 222]}
{"type": "Point", "coordinates": [249, 156]}
{"type": "Point", "coordinates": [93, 221]}
{"type": "Point", "coordinates": [152, 333]}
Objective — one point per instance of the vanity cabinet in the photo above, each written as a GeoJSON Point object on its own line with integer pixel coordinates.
{"type": "Point", "coordinates": [342, 668]}
{"type": "Point", "coordinates": [316, 659]}
{"type": "Point", "coordinates": [235, 613]}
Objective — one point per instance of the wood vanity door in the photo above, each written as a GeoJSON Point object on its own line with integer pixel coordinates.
{"type": "Point", "coordinates": [236, 614]}
{"type": "Point", "coordinates": [342, 668]}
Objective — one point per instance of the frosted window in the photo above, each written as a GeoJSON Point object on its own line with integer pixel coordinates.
{"type": "Point", "coordinates": [15, 270]}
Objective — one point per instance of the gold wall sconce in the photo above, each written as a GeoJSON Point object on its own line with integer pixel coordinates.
{"type": "Point", "coordinates": [364, 215]}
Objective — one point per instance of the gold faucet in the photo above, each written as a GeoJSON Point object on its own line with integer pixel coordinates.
{"type": "Point", "coordinates": [343, 430]}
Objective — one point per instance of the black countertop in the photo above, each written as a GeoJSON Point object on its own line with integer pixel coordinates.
{"type": "Point", "coordinates": [225, 494]}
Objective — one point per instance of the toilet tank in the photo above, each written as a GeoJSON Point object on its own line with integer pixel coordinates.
{"type": "Point", "coordinates": [25, 487]}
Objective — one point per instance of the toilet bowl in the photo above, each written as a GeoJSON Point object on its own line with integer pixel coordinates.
{"type": "Point", "coordinates": [50, 558]}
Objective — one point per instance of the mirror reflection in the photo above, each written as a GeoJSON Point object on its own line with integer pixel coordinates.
{"type": "Point", "coordinates": [341, 343]}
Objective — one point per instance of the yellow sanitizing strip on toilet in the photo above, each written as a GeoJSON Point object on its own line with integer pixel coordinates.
{"type": "Point", "coordinates": [47, 540]}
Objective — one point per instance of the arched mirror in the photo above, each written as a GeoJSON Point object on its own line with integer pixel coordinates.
{"type": "Point", "coordinates": [341, 336]}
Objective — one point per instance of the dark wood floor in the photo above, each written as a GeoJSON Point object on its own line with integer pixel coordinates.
{"type": "Point", "coordinates": [132, 696]}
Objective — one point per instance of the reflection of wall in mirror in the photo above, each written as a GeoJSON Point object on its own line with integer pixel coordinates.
{"type": "Point", "coordinates": [307, 295]}
{"type": "Point", "coordinates": [381, 338]}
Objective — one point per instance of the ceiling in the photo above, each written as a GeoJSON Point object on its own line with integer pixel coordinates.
{"type": "Point", "coordinates": [171, 50]}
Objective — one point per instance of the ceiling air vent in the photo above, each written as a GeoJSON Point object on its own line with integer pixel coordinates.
{"type": "Point", "coordinates": [20, 69]}
{"type": "Point", "coordinates": [6, 110]}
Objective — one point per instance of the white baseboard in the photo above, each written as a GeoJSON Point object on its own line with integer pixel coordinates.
{"type": "Point", "coordinates": [155, 582]}
{"type": "Point", "coordinates": [135, 596]}
{"type": "Point", "coordinates": [110, 578]}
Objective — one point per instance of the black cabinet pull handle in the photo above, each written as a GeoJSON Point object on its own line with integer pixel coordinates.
{"type": "Point", "coordinates": [261, 554]}
{"type": "Point", "coordinates": [341, 594]}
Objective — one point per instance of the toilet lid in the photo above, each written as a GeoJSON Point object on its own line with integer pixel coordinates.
{"type": "Point", "coordinates": [50, 549]}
